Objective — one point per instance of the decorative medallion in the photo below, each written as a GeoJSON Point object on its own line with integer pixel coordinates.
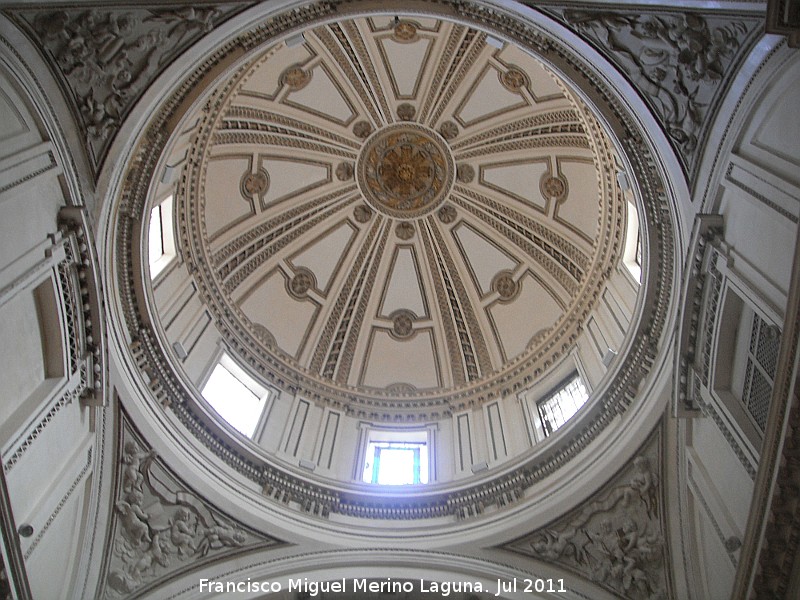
{"type": "Point", "coordinates": [302, 281]}
{"type": "Point", "coordinates": [404, 230]}
{"type": "Point", "coordinates": [465, 173]}
{"type": "Point", "coordinates": [514, 80]}
{"type": "Point", "coordinates": [264, 335]}
{"type": "Point", "coordinates": [362, 213]}
{"type": "Point", "coordinates": [448, 130]}
{"type": "Point", "coordinates": [553, 187]}
{"type": "Point", "coordinates": [403, 323]}
{"type": "Point", "coordinates": [447, 214]}
{"type": "Point", "coordinates": [405, 170]}
{"type": "Point", "coordinates": [505, 286]}
{"type": "Point", "coordinates": [405, 32]}
{"type": "Point", "coordinates": [400, 389]}
{"type": "Point", "coordinates": [362, 129]}
{"type": "Point", "coordinates": [295, 78]}
{"type": "Point", "coordinates": [406, 111]}
{"type": "Point", "coordinates": [344, 171]}
{"type": "Point", "coordinates": [255, 184]}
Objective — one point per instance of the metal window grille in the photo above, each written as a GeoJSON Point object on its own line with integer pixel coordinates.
{"type": "Point", "coordinates": [562, 403]}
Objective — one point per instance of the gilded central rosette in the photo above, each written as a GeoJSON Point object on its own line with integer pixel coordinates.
{"type": "Point", "coordinates": [405, 170]}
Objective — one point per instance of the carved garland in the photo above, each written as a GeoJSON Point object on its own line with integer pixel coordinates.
{"type": "Point", "coordinates": [642, 354]}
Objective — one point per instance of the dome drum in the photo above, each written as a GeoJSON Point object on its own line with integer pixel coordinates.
{"type": "Point", "coordinates": [386, 243]}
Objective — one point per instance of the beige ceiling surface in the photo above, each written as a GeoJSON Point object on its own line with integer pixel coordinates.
{"type": "Point", "coordinates": [402, 208]}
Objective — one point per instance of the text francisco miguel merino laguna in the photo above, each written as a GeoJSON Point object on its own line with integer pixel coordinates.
{"type": "Point", "coordinates": [383, 586]}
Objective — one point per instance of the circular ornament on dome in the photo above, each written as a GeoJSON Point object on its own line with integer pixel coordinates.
{"type": "Point", "coordinates": [447, 214]}
{"type": "Point", "coordinates": [362, 213]}
{"type": "Point", "coordinates": [404, 230]}
{"type": "Point", "coordinates": [405, 170]}
{"type": "Point", "coordinates": [505, 286]}
{"type": "Point", "coordinates": [302, 281]}
{"type": "Point", "coordinates": [406, 112]}
{"type": "Point", "coordinates": [448, 130]}
{"type": "Point", "coordinates": [465, 173]}
{"type": "Point", "coordinates": [553, 187]}
{"type": "Point", "coordinates": [403, 323]}
{"type": "Point", "coordinates": [295, 78]}
{"type": "Point", "coordinates": [344, 171]}
{"type": "Point", "coordinates": [264, 335]}
{"type": "Point", "coordinates": [405, 32]}
{"type": "Point", "coordinates": [514, 80]}
{"type": "Point", "coordinates": [362, 129]}
{"type": "Point", "coordinates": [255, 184]}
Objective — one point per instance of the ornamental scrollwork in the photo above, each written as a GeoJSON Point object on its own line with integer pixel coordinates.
{"type": "Point", "coordinates": [108, 57]}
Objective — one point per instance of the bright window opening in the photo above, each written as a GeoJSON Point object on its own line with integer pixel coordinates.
{"type": "Point", "coordinates": [236, 396]}
{"type": "Point", "coordinates": [161, 240]}
{"type": "Point", "coordinates": [632, 254]}
{"type": "Point", "coordinates": [557, 408]}
{"type": "Point", "coordinates": [399, 461]}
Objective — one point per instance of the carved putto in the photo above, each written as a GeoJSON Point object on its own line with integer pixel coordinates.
{"type": "Point", "coordinates": [160, 527]}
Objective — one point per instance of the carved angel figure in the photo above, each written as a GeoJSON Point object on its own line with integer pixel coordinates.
{"type": "Point", "coordinates": [219, 536]}
{"type": "Point", "coordinates": [552, 545]}
{"type": "Point", "coordinates": [642, 485]}
{"type": "Point", "coordinates": [133, 459]}
{"type": "Point", "coordinates": [134, 521]}
{"type": "Point", "coordinates": [181, 532]}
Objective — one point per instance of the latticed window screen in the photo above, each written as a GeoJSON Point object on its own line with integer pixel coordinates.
{"type": "Point", "coordinates": [762, 360]}
{"type": "Point", "coordinates": [558, 407]}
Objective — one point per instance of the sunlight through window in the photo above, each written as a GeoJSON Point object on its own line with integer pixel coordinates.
{"type": "Point", "coordinates": [397, 462]}
{"type": "Point", "coordinates": [235, 396]}
{"type": "Point", "coordinates": [562, 404]}
{"type": "Point", "coordinates": [161, 241]}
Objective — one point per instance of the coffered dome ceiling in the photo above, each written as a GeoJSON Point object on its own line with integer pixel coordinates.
{"type": "Point", "coordinates": [399, 210]}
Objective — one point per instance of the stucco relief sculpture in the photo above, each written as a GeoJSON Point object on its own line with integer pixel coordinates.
{"type": "Point", "coordinates": [678, 62]}
{"type": "Point", "coordinates": [159, 527]}
{"type": "Point", "coordinates": [108, 57]}
{"type": "Point", "coordinates": [615, 540]}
